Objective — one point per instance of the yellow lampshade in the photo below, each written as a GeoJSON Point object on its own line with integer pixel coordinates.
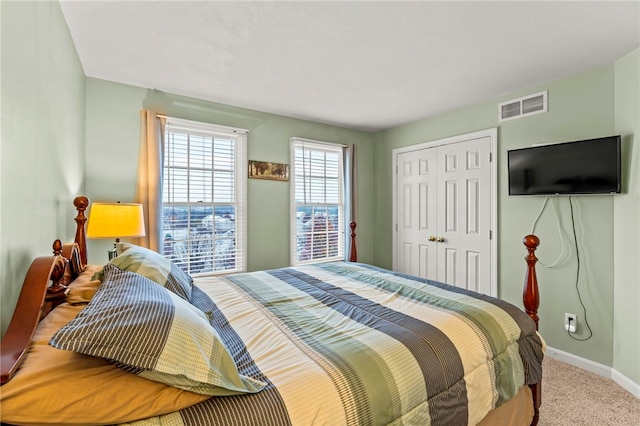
{"type": "Point", "coordinates": [115, 220]}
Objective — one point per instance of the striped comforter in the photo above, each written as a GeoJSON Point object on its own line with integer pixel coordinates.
{"type": "Point", "coordinates": [346, 343]}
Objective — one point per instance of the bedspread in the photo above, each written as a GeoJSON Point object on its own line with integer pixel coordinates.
{"type": "Point", "coordinates": [347, 343]}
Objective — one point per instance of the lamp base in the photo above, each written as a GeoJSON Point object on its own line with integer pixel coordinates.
{"type": "Point", "coordinates": [112, 253]}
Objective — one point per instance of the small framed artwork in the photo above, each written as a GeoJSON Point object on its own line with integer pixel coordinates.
{"type": "Point", "coordinates": [267, 170]}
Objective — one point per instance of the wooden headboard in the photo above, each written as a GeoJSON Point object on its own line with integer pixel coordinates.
{"type": "Point", "coordinates": [42, 290]}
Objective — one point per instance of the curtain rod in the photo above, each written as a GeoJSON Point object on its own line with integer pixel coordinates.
{"type": "Point", "coordinates": [311, 141]}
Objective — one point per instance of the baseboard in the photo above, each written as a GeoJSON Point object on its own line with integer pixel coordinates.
{"type": "Point", "coordinates": [625, 382]}
{"type": "Point", "coordinates": [596, 368]}
{"type": "Point", "coordinates": [577, 361]}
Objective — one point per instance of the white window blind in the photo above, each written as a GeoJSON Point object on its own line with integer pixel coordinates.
{"type": "Point", "coordinates": [204, 197]}
{"type": "Point", "coordinates": [318, 201]}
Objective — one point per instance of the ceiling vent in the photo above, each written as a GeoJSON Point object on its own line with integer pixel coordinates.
{"type": "Point", "coordinates": [527, 105]}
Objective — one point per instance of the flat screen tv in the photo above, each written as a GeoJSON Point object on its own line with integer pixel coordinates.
{"type": "Point", "coordinates": [589, 166]}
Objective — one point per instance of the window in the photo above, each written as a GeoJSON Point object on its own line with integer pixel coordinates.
{"type": "Point", "coordinates": [318, 201]}
{"type": "Point", "coordinates": [204, 197]}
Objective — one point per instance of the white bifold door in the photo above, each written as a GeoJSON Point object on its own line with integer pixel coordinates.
{"type": "Point", "coordinates": [444, 211]}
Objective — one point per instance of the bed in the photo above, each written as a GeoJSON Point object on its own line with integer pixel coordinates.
{"type": "Point", "coordinates": [332, 343]}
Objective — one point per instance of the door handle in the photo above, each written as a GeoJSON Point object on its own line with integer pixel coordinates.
{"type": "Point", "coordinates": [440, 239]}
{"type": "Point", "coordinates": [432, 238]}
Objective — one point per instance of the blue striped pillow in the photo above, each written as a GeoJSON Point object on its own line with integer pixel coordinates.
{"type": "Point", "coordinates": [147, 330]}
{"type": "Point", "coordinates": [152, 265]}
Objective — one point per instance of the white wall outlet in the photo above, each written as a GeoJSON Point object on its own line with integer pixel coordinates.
{"type": "Point", "coordinates": [570, 322]}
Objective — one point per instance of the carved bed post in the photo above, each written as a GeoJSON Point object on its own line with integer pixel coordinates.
{"type": "Point", "coordinates": [531, 300]}
{"type": "Point", "coordinates": [55, 292]}
{"type": "Point", "coordinates": [530, 295]}
{"type": "Point", "coordinates": [81, 203]}
{"type": "Point", "coordinates": [353, 255]}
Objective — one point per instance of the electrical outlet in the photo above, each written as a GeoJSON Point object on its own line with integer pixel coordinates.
{"type": "Point", "coordinates": [570, 322]}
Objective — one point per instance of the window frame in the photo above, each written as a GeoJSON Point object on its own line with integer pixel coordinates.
{"type": "Point", "coordinates": [239, 193]}
{"type": "Point", "coordinates": [342, 204]}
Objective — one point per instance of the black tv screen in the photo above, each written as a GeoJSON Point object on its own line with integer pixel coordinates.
{"type": "Point", "coordinates": [582, 167]}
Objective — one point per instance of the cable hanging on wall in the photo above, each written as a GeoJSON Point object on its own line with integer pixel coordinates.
{"type": "Point", "coordinates": [533, 230]}
{"type": "Point", "coordinates": [562, 253]}
{"type": "Point", "coordinates": [584, 309]}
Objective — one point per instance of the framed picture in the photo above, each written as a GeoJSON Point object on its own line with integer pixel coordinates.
{"type": "Point", "coordinates": [267, 170]}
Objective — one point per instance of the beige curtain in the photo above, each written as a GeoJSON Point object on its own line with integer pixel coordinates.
{"type": "Point", "coordinates": [149, 191]}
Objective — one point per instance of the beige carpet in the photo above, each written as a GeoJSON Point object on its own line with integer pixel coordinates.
{"type": "Point", "coordinates": [572, 396]}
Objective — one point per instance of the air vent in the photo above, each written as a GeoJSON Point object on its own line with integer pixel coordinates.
{"type": "Point", "coordinates": [527, 105]}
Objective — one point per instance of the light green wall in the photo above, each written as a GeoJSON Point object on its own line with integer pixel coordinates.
{"type": "Point", "coordinates": [112, 153]}
{"type": "Point", "coordinates": [581, 106]}
{"type": "Point", "coordinates": [626, 317]}
{"type": "Point", "coordinates": [42, 163]}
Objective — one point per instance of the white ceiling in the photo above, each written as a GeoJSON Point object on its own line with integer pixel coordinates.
{"type": "Point", "coordinates": [366, 65]}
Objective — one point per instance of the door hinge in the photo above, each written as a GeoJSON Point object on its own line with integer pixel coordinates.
{"type": "Point", "coordinates": [396, 227]}
{"type": "Point", "coordinates": [490, 157]}
{"type": "Point", "coordinates": [490, 234]}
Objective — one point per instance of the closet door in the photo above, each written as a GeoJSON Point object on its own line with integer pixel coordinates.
{"type": "Point", "coordinates": [464, 215]}
{"type": "Point", "coordinates": [416, 192]}
{"type": "Point", "coordinates": [444, 214]}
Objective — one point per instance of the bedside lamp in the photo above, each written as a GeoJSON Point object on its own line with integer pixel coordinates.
{"type": "Point", "coordinates": [115, 220]}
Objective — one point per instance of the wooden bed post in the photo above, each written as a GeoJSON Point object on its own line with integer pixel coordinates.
{"type": "Point", "coordinates": [531, 300]}
{"type": "Point", "coordinates": [530, 295]}
{"type": "Point", "coordinates": [55, 292]}
{"type": "Point", "coordinates": [353, 254]}
{"type": "Point", "coordinates": [81, 203]}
